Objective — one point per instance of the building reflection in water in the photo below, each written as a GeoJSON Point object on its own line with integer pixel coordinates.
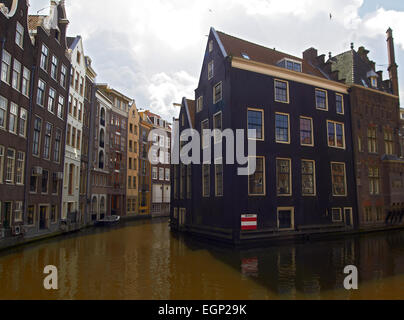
{"type": "Point", "coordinates": [144, 260]}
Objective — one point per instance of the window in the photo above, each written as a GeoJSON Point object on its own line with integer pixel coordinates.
{"type": "Point", "coordinates": [321, 99]}
{"type": "Point", "coordinates": [210, 45]}
{"type": "Point", "coordinates": [308, 178]}
{"type": "Point", "coordinates": [256, 181]}
{"type": "Point", "coordinates": [19, 178]}
{"type": "Point", "coordinates": [286, 218]}
{"type": "Point", "coordinates": [55, 183]}
{"type": "Point", "coordinates": [56, 149]}
{"type": "Point", "coordinates": [339, 99]}
{"type": "Point", "coordinates": [1, 163]}
{"type": "Point", "coordinates": [219, 178]}
{"type": "Point", "coordinates": [167, 171]}
{"type": "Point", "coordinates": [360, 146]}
{"type": "Point", "coordinates": [282, 132]}
{"type": "Point", "coordinates": [338, 176]}
{"type": "Point", "coordinates": [373, 81]}
{"type": "Point", "coordinates": [368, 214]}
{"type": "Point", "coordinates": [210, 70]}
{"type": "Point", "coordinates": [45, 178]}
{"type": "Point", "coordinates": [78, 144]}
{"type": "Point", "coordinates": [61, 106]}
{"type": "Point", "coordinates": [283, 177]}
{"type": "Point", "coordinates": [72, 77]}
{"type": "Point", "coordinates": [154, 173]}
{"type": "Point", "coordinates": [388, 141]}
{"type": "Point", "coordinates": [291, 65]}
{"type": "Point", "coordinates": [6, 67]}
{"type": "Point", "coordinates": [217, 125]}
{"type": "Point", "coordinates": [40, 99]}
{"type": "Point", "coordinates": [379, 214]}
{"type": "Point", "coordinates": [372, 139]}
{"type": "Point", "coordinates": [73, 141]}
{"type": "Point", "coordinates": [336, 215]}
{"type": "Point", "coordinates": [82, 86]}
{"type": "Point", "coordinates": [31, 216]}
{"type": "Point", "coordinates": [44, 58]}
{"type": "Point", "coordinates": [53, 214]}
{"type": "Point", "coordinates": [36, 136]}
{"type": "Point", "coordinates": [47, 141]}
{"type": "Point", "coordinates": [189, 178]}
{"type": "Point", "coordinates": [51, 100]}
{"type": "Point", "coordinates": [3, 112]}
{"type": "Point", "coordinates": [281, 91]}
{"type": "Point", "coordinates": [16, 80]}
{"type": "Point", "coordinates": [175, 168]}
{"type": "Point", "coordinates": [75, 105]}
{"type": "Point", "coordinates": [19, 35]}
{"type": "Point", "coordinates": [80, 110]}
{"type": "Point", "coordinates": [161, 174]}
{"type": "Point", "coordinates": [26, 80]}
{"type": "Point", "coordinates": [374, 181]}
{"type": "Point", "coordinates": [206, 180]}
{"type": "Point", "coordinates": [205, 137]}
{"type": "Point", "coordinates": [336, 134]}
{"type": "Point", "coordinates": [63, 76]}
{"type": "Point", "coordinates": [18, 211]}
{"type": "Point", "coordinates": [54, 68]}
{"type": "Point", "coordinates": [10, 166]}
{"type": "Point", "coordinates": [217, 93]}
{"type": "Point", "coordinates": [23, 123]}
{"type": "Point", "coordinates": [76, 83]}
{"type": "Point", "coordinates": [306, 131]}
{"type": "Point", "coordinates": [69, 131]}
{"type": "Point", "coordinates": [245, 56]}
{"type": "Point", "coordinates": [199, 104]}
{"type": "Point", "coordinates": [12, 121]}
{"type": "Point", "coordinates": [255, 119]}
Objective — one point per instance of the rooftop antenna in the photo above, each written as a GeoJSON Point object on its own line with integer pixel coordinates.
{"type": "Point", "coordinates": [42, 9]}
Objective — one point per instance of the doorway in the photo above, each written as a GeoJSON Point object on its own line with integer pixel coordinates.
{"type": "Point", "coordinates": [43, 217]}
{"type": "Point", "coordinates": [7, 214]}
{"type": "Point", "coordinates": [348, 217]}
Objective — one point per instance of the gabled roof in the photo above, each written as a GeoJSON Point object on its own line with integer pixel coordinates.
{"type": "Point", "coordinates": [191, 111]}
{"type": "Point", "coordinates": [72, 42]}
{"type": "Point", "coordinates": [236, 47]}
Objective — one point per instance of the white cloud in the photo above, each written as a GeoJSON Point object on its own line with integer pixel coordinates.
{"type": "Point", "coordinates": [153, 50]}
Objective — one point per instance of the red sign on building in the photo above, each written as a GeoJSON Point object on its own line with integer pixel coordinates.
{"type": "Point", "coordinates": [249, 222]}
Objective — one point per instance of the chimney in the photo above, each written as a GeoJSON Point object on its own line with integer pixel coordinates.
{"type": "Point", "coordinates": [392, 62]}
{"type": "Point", "coordinates": [310, 54]}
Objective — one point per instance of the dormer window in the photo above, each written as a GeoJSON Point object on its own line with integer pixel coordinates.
{"type": "Point", "coordinates": [372, 76]}
{"type": "Point", "coordinates": [373, 81]}
{"type": "Point", "coordinates": [290, 64]}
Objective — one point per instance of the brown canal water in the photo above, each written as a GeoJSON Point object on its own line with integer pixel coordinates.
{"type": "Point", "coordinates": [144, 260]}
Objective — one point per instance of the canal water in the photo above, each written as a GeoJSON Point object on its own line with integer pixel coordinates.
{"type": "Point", "coordinates": [144, 260]}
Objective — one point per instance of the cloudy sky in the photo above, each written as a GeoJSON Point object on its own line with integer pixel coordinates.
{"type": "Point", "coordinates": [152, 50]}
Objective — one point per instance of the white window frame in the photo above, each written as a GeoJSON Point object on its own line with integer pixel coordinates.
{"type": "Point", "coordinates": [6, 67]}
{"type": "Point", "coordinates": [16, 78]}
{"type": "Point", "coordinates": [219, 84]}
{"type": "Point", "coordinates": [19, 31]}
{"type": "Point", "coordinates": [211, 70]}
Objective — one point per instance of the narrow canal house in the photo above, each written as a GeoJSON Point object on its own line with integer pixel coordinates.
{"type": "Point", "coordinates": [133, 159]}
{"type": "Point", "coordinates": [402, 132]}
{"type": "Point", "coordinates": [304, 182]}
{"type": "Point", "coordinates": [145, 182]}
{"type": "Point", "coordinates": [181, 182]}
{"type": "Point", "coordinates": [117, 157]}
{"type": "Point", "coordinates": [161, 172]}
{"type": "Point", "coordinates": [99, 155]}
{"type": "Point", "coordinates": [74, 133]}
{"type": "Point", "coordinates": [47, 122]}
{"type": "Point", "coordinates": [87, 141]}
{"type": "Point", "coordinates": [17, 54]}
{"type": "Point", "coordinates": [375, 112]}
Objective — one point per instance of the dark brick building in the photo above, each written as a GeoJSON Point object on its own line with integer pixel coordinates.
{"type": "Point", "coordinates": [375, 111]}
{"type": "Point", "coordinates": [16, 85]}
{"type": "Point", "coordinates": [304, 180]}
{"type": "Point", "coordinates": [47, 122]}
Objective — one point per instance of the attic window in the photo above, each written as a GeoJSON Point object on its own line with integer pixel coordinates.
{"type": "Point", "coordinates": [290, 64]}
{"type": "Point", "coordinates": [245, 56]}
{"type": "Point", "coordinates": [210, 45]}
{"type": "Point", "coordinates": [373, 81]}
{"type": "Point", "coordinates": [365, 84]}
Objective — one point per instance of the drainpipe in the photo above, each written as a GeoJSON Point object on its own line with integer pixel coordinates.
{"type": "Point", "coordinates": [27, 175]}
